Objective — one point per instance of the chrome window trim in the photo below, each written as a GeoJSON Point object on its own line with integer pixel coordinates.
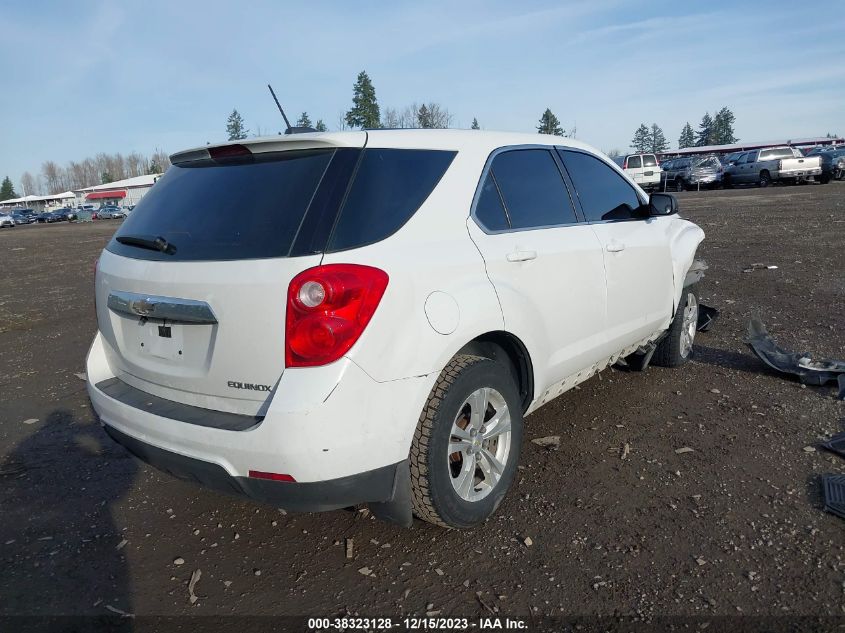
{"type": "Point", "coordinates": [483, 177]}
{"type": "Point", "coordinates": [157, 307]}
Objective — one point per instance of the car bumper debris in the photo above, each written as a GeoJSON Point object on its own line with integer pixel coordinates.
{"type": "Point", "coordinates": [809, 371]}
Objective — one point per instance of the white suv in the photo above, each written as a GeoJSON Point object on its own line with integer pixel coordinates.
{"type": "Point", "coordinates": [380, 315]}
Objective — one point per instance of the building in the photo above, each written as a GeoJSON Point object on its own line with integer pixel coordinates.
{"type": "Point", "coordinates": [742, 147]}
{"type": "Point", "coordinates": [125, 192]}
{"type": "Point", "coordinates": [40, 203]}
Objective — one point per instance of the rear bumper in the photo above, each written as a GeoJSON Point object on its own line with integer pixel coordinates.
{"type": "Point", "coordinates": [372, 486]}
{"type": "Point", "coordinates": [319, 425]}
{"type": "Point", "coordinates": [800, 173]}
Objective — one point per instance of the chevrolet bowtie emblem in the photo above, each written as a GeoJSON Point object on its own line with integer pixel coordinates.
{"type": "Point", "coordinates": [144, 307]}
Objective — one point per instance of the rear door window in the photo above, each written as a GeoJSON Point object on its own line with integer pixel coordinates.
{"type": "Point", "coordinates": [649, 160]}
{"type": "Point", "coordinates": [635, 162]}
{"type": "Point", "coordinates": [532, 189]}
{"type": "Point", "coordinates": [389, 186]}
{"type": "Point", "coordinates": [604, 194]}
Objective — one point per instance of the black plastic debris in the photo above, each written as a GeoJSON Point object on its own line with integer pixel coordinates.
{"type": "Point", "coordinates": [835, 444]}
{"type": "Point", "coordinates": [809, 371]}
{"type": "Point", "coordinates": [706, 316]}
{"type": "Point", "coordinates": [833, 487]}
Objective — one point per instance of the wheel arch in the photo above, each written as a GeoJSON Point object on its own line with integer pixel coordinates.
{"type": "Point", "coordinates": [507, 348]}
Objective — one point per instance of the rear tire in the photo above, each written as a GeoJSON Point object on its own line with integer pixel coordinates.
{"type": "Point", "coordinates": [466, 447]}
{"type": "Point", "coordinates": [679, 184]}
{"type": "Point", "coordinates": [765, 179]}
{"type": "Point", "coordinates": [676, 347]}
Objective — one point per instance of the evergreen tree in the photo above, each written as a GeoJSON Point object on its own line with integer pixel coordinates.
{"type": "Point", "coordinates": [106, 178]}
{"type": "Point", "coordinates": [7, 190]}
{"type": "Point", "coordinates": [687, 137]}
{"type": "Point", "coordinates": [642, 139]}
{"type": "Point", "coordinates": [304, 120]}
{"type": "Point", "coordinates": [235, 127]}
{"type": "Point", "coordinates": [658, 140]}
{"type": "Point", "coordinates": [154, 167]}
{"type": "Point", "coordinates": [475, 125]}
{"type": "Point", "coordinates": [424, 117]}
{"type": "Point", "coordinates": [320, 126]}
{"type": "Point", "coordinates": [723, 127]}
{"type": "Point", "coordinates": [549, 124]}
{"type": "Point", "coordinates": [704, 136]}
{"type": "Point", "coordinates": [365, 111]}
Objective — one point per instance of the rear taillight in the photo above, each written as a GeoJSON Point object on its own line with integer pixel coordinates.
{"type": "Point", "coordinates": [625, 164]}
{"type": "Point", "coordinates": [328, 308]}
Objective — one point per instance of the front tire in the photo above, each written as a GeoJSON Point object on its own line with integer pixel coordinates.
{"type": "Point", "coordinates": [466, 447]}
{"type": "Point", "coordinates": [676, 347]}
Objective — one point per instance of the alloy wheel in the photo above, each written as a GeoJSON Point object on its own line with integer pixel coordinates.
{"type": "Point", "coordinates": [689, 325]}
{"type": "Point", "coordinates": [479, 444]}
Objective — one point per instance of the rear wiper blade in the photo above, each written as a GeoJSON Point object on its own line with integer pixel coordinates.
{"type": "Point", "coordinates": [152, 243]}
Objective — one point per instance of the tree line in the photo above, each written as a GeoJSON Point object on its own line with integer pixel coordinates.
{"type": "Point", "coordinates": [367, 113]}
{"type": "Point", "coordinates": [713, 130]}
{"type": "Point", "coordinates": [94, 170]}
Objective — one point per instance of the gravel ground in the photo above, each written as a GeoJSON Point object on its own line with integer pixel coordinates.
{"type": "Point", "coordinates": [619, 523]}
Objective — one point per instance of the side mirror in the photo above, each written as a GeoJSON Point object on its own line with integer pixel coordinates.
{"type": "Point", "coordinates": [662, 204]}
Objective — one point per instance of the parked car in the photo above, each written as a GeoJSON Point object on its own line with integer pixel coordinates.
{"type": "Point", "coordinates": [6, 221]}
{"type": "Point", "coordinates": [110, 213]}
{"type": "Point", "coordinates": [765, 166]}
{"type": "Point", "coordinates": [694, 172]}
{"type": "Point", "coordinates": [390, 307]}
{"type": "Point", "coordinates": [833, 166]}
{"type": "Point", "coordinates": [643, 169]}
{"type": "Point", "coordinates": [65, 213]}
{"type": "Point", "coordinates": [22, 218]}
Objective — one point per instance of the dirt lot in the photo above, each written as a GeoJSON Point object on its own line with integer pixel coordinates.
{"type": "Point", "coordinates": [733, 528]}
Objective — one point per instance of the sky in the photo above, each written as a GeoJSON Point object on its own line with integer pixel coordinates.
{"type": "Point", "coordinates": [94, 76]}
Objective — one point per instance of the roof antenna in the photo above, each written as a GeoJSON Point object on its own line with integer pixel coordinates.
{"type": "Point", "coordinates": [290, 129]}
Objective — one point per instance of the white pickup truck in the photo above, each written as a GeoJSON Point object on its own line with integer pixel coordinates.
{"type": "Point", "coordinates": [764, 166]}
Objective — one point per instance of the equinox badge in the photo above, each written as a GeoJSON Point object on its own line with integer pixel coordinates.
{"type": "Point", "coordinates": [248, 385]}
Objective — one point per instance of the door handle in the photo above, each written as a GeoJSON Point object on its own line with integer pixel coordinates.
{"type": "Point", "coordinates": [615, 247]}
{"type": "Point", "coordinates": [522, 256]}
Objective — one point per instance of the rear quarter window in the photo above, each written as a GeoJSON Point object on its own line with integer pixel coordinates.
{"type": "Point", "coordinates": [388, 188]}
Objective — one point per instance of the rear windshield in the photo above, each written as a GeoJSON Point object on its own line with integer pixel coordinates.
{"type": "Point", "coordinates": [770, 154]}
{"type": "Point", "coordinates": [281, 204]}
